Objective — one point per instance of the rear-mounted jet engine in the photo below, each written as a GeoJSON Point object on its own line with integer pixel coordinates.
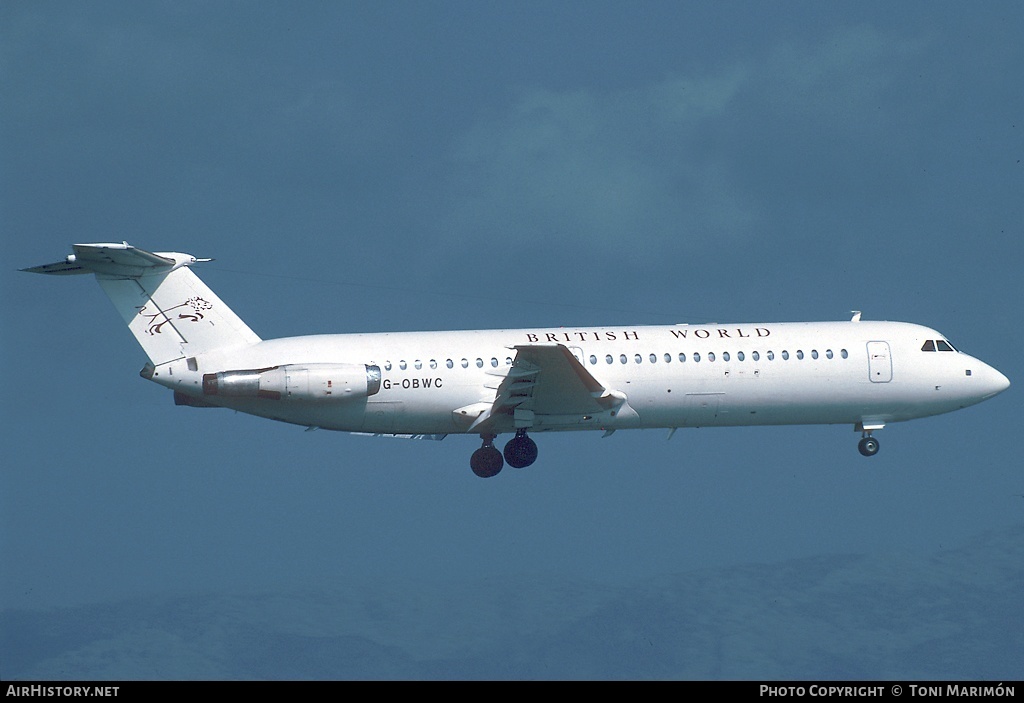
{"type": "Point", "coordinates": [296, 382]}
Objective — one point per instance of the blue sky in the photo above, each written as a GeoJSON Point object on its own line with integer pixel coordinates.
{"type": "Point", "coordinates": [445, 165]}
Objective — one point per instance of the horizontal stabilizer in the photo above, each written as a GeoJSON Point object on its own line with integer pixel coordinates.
{"type": "Point", "coordinates": [115, 260]}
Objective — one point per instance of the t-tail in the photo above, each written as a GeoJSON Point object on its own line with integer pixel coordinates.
{"type": "Point", "coordinates": [170, 311]}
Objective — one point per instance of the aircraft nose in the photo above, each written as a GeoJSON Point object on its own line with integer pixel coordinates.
{"type": "Point", "coordinates": [994, 382]}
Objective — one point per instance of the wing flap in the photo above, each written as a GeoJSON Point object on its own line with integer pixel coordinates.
{"type": "Point", "coordinates": [547, 387]}
{"type": "Point", "coordinates": [548, 380]}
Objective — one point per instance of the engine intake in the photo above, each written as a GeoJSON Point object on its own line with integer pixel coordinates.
{"type": "Point", "coordinates": [297, 382]}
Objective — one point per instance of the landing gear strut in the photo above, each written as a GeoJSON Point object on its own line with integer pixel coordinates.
{"type": "Point", "coordinates": [868, 445]}
{"type": "Point", "coordinates": [520, 451]}
{"type": "Point", "coordinates": [486, 461]}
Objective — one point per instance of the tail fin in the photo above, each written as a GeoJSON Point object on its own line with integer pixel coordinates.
{"type": "Point", "coordinates": [169, 310]}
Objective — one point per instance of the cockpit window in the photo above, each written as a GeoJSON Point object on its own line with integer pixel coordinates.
{"type": "Point", "coordinates": [929, 345]}
{"type": "Point", "coordinates": [943, 345]}
{"type": "Point", "coordinates": [938, 345]}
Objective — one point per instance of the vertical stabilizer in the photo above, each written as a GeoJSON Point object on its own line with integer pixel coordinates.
{"type": "Point", "coordinates": [170, 311]}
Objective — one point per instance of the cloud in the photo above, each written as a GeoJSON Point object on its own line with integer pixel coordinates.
{"type": "Point", "coordinates": [676, 164]}
{"type": "Point", "coordinates": [598, 168]}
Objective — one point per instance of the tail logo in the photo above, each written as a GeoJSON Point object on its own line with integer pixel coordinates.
{"type": "Point", "coordinates": [161, 317]}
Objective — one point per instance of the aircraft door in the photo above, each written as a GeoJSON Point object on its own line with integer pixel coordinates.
{"type": "Point", "coordinates": [879, 362]}
{"type": "Point", "coordinates": [578, 353]}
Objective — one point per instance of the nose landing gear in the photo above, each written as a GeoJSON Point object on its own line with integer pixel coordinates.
{"type": "Point", "coordinates": [868, 445]}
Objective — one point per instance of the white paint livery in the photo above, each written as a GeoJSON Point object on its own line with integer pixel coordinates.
{"type": "Point", "coordinates": [489, 382]}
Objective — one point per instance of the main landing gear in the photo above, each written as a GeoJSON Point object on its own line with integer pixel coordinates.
{"type": "Point", "coordinates": [486, 461]}
{"type": "Point", "coordinates": [868, 445]}
{"type": "Point", "coordinates": [520, 451]}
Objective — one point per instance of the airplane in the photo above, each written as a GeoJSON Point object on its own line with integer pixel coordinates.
{"type": "Point", "coordinates": [427, 385]}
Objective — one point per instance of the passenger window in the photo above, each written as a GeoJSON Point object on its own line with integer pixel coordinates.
{"type": "Point", "coordinates": [740, 356]}
{"type": "Point", "coordinates": [508, 361]}
{"type": "Point", "coordinates": [638, 358]}
{"type": "Point", "coordinates": [479, 363]}
{"type": "Point", "coordinates": [725, 356]}
{"type": "Point", "coordinates": [771, 356]}
{"type": "Point", "coordinates": [402, 364]}
{"type": "Point", "coordinates": [843, 353]}
{"type": "Point", "coordinates": [622, 358]}
{"type": "Point", "coordinates": [682, 357]}
{"type": "Point", "coordinates": [465, 363]}
{"type": "Point", "coordinates": [785, 355]}
{"type": "Point", "coordinates": [828, 353]}
{"type": "Point", "coordinates": [449, 363]}
{"type": "Point", "coordinates": [654, 358]}
{"type": "Point", "coordinates": [756, 356]}
{"type": "Point", "coordinates": [418, 364]}
{"type": "Point", "coordinates": [814, 353]}
{"type": "Point", "coordinates": [608, 358]}
{"type": "Point", "coordinates": [800, 354]}
{"type": "Point", "coordinates": [711, 356]}
{"type": "Point", "coordinates": [433, 363]}
{"type": "Point", "coordinates": [494, 362]}
{"type": "Point", "coordinates": [929, 345]}
{"type": "Point", "coordinates": [668, 358]}
{"type": "Point", "coordinates": [696, 358]}
{"type": "Point", "coordinates": [387, 365]}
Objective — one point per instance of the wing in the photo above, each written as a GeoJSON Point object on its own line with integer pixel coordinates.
{"type": "Point", "coordinates": [549, 380]}
{"type": "Point", "coordinates": [546, 386]}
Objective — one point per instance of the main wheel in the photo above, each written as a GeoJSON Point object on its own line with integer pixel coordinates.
{"type": "Point", "coordinates": [520, 451]}
{"type": "Point", "coordinates": [486, 461]}
{"type": "Point", "coordinates": [868, 446]}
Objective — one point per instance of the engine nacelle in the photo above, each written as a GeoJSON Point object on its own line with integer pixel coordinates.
{"type": "Point", "coordinates": [296, 382]}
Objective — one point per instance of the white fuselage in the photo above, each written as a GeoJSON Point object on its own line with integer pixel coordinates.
{"type": "Point", "coordinates": [862, 373]}
{"type": "Point", "coordinates": [489, 382]}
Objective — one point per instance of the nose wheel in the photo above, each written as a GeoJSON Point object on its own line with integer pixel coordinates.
{"type": "Point", "coordinates": [868, 446]}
